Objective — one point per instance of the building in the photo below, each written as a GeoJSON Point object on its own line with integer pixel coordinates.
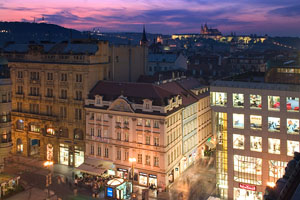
{"type": "Point", "coordinates": [256, 122]}
{"type": "Point", "coordinates": [5, 108]}
{"type": "Point", "coordinates": [166, 62]}
{"type": "Point", "coordinates": [210, 32]}
{"type": "Point", "coordinates": [49, 85]}
{"type": "Point", "coordinates": [145, 121]}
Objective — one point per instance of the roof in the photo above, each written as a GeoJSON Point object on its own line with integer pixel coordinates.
{"type": "Point", "coordinates": [134, 92]}
{"type": "Point", "coordinates": [170, 58]}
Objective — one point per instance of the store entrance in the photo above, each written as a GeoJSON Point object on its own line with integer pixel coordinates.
{"type": "Point", "coordinates": [34, 147]}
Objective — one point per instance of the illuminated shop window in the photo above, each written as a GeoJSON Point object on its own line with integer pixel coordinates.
{"type": "Point", "coordinates": [292, 126]}
{"type": "Point", "coordinates": [292, 146]}
{"type": "Point", "coordinates": [238, 100]}
{"type": "Point", "coordinates": [238, 141]}
{"type": "Point", "coordinates": [292, 104]}
{"type": "Point", "coordinates": [218, 98]}
{"type": "Point", "coordinates": [256, 143]}
{"type": "Point", "coordinates": [238, 120]}
{"type": "Point", "coordinates": [34, 128]}
{"type": "Point", "coordinates": [50, 131]}
{"type": "Point", "coordinates": [276, 170]}
{"type": "Point", "coordinates": [248, 169]}
{"type": "Point", "coordinates": [255, 101]}
{"type": "Point", "coordinates": [274, 146]}
{"type": "Point", "coordinates": [243, 194]}
{"type": "Point", "coordinates": [273, 124]}
{"type": "Point", "coordinates": [255, 122]}
{"type": "Point", "coordinates": [274, 103]}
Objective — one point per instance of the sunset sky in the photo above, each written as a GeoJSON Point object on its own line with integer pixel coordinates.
{"type": "Point", "coordinates": [274, 17]}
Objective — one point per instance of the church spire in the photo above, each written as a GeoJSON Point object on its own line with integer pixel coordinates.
{"type": "Point", "coordinates": [144, 41]}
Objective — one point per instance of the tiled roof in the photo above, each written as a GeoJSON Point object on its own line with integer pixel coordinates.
{"type": "Point", "coordinates": [134, 92]}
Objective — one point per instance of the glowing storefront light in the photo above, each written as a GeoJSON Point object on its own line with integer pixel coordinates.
{"type": "Point", "coordinates": [255, 101]}
{"type": "Point", "coordinates": [243, 194]}
{"type": "Point", "coordinates": [238, 100]}
{"type": "Point", "coordinates": [238, 121]}
{"type": "Point", "coordinates": [218, 98]}
{"type": "Point", "coordinates": [255, 122]}
{"type": "Point", "coordinates": [274, 103]}
{"type": "Point", "coordinates": [292, 146]}
{"type": "Point", "coordinates": [274, 146]}
{"type": "Point", "coordinates": [256, 143]}
{"type": "Point", "coordinates": [238, 141]}
{"type": "Point", "coordinates": [292, 104]}
{"type": "Point", "coordinates": [292, 126]}
{"type": "Point", "coordinates": [276, 170]}
{"type": "Point", "coordinates": [273, 124]}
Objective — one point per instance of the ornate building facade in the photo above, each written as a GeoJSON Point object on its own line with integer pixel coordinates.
{"type": "Point", "coordinates": [50, 83]}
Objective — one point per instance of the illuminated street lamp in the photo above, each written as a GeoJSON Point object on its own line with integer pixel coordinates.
{"type": "Point", "coordinates": [132, 161]}
{"type": "Point", "coordinates": [48, 164]}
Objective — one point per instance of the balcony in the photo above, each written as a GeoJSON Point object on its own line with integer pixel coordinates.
{"type": "Point", "coordinates": [34, 97]}
{"type": "Point", "coordinates": [49, 83]}
{"type": "Point", "coordinates": [19, 96]}
{"type": "Point", "coordinates": [64, 84]}
{"type": "Point", "coordinates": [20, 80]}
{"type": "Point", "coordinates": [78, 86]}
{"type": "Point", "coordinates": [35, 82]}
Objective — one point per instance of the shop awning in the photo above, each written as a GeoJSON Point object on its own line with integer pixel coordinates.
{"type": "Point", "coordinates": [95, 166]}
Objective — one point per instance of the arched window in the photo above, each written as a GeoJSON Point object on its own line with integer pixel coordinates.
{"type": "Point", "coordinates": [63, 132]}
{"type": "Point", "coordinates": [19, 145]}
{"type": "Point", "coordinates": [78, 134]}
{"type": "Point", "coordinates": [20, 124]}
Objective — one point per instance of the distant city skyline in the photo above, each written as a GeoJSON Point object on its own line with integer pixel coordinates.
{"type": "Point", "coordinates": [273, 17]}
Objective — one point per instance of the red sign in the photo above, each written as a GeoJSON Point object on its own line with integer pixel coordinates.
{"type": "Point", "coordinates": [248, 187]}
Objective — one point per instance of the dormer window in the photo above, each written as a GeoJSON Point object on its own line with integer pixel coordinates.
{"type": "Point", "coordinates": [98, 100]}
{"type": "Point", "coordinates": [147, 106]}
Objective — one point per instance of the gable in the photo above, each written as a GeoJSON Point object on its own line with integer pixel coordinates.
{"type": "Point", "coordinates": [120, 105]}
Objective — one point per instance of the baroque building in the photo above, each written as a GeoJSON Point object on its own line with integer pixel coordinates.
{"type": "Point", "coordinates": [49, 85]}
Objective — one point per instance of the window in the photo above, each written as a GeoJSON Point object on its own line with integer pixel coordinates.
{"type": "Point", "coordinates": [78, 134]}
{"type": "Point", "coordinates": [92, 117]}
{"type": "Point", "coordinates": [63, 94]}
{"type": "Point", "coordinates": [106, 152]}
{"type": "Point", "coordinates": [273, 124]}
{"type": "Point", "coordinates": [276, 170]}
{"type": "Point", "coordinates": [49, 110]}
{"type": "Point", "coordinates": [238, 121]}
{"type": "Point", "coordinates": [20, 89]}
{"type": "Point", "coordinates": [118, 119]}
{"type": "Point", "coordinates": [148, 123]}
{"type": "Point", "coordinates": [63, 77]}
{"type": "Point", "coordinates": [140, 138]}
{"type": "Point", "coordinates": [20, 74]}
{"type": "Point", "coordinates": [19, 107]}
{"type": "Point", "coordinates": [156, 124]}
{"type": "Point", "coordinates": [78, 95]}
{"type": "Point", "coordinates": [240, 193]}
{"type": "Point", "coordinates": [63, 112]}
{"type": "Point", "coordinates": [292, 126]}
{"type": "Point", "coordinates": [20, 125]}
{"type": "Point", "coordinates": [99, 133]}
{"type": "Point", "coordinates": [34, 128]}
{"type": "Point", "coordinates": [92, 150]}
{"type": "Point", "coordinates": [292, 104]}
{"type": "Point", "coordinates": [126, 120]}
{"type": "Point", "coordinates": [99, 151]}
{"type": "Point", "coordinates": [49, 76]}
{"type": "Point", "coordinates": [78, 114]}
{"type": "Point", "coordinates": [274, 146]}
{"type": "Point", "coordinates": [92, 131]}
{"type": "Point", "coordinates": [118, 154]}
{"type": "Point", "coordinates": [156, 161]}
{"type": "Point", "coordinates": [34, 76]}
{"type": "Point", "coordinates": [78, 78]}
{"type": "Point", "coordinates": [34, 108]}
{"type": "Point", "coordinates": [118, 135]}
{"type": "Point", "coordinates": [139, 122]}
{"type": "Point", "coordinates": [148, 140]}
{"type": "Point", "coordinates": [147, 162]}
{"type": "Point", "coordinates": [126, 155]}
{"type": "Point", "coordinates": [256, 143]}
{"type": "Point", "coordinates": [255, 101]}
{"type": "Point", "coordinates": [292, 146]}
{"type": "Point", "coordinates": [34, 91]}
{"type": "Point", "coordinates": [49, 92]}
{"type": "Point", "coordinates": [255, 122]}
{"type": "Point", "coordinates": [126, 137]}
{"type": "Point", "coordinates": [218, 98]}
{"type": "Point", "coordinates": [98, 117]}
{"type": "Point", "coordinates": [274, 103]}
{"type": "Point", "coordinates": [140, 158]}
{"type": "Point", "coordinates": [238, 100]}
{"type": "Point", "coordinates": [238, 141]}
{"type": "Point", "coordinates": [248, 169]}
{"type": "Point", "coordinates": [156, 141]}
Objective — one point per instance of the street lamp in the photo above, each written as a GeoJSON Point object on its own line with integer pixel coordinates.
{"type": "Point", "coordinates": [48, 164]}
{"type": "Point", "coordinates": [132, 161]}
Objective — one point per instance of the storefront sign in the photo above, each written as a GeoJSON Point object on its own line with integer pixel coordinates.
{"type": "Point", "coordinates": [122, 170]}
{"type": "Point", "coordinates": [143, 174]}
{"type": "Point", "coordinates": [248, 187]}
{"type": "Point", "coordinates": [152, 176]}
{"type": "Point", "coordinates": [109, 192]}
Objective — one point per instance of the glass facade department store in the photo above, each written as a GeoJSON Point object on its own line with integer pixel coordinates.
{"type": "Point", "coordinates": [257, 129]}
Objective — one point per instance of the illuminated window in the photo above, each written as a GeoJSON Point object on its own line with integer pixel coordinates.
{"type": "Point", "coordinates": [273, 124]}
{"type": "Point", "coordinates": [255, 101]}
{"type": "Point", "coordinates": [35, 128]}
{"type": "Point", "coordinates": [238, 120]}
{"type": "Point", "coordinates": [256, 143]}
{"type": "Point", "coordinates": [276, 170]}
{"type": "Point", "coordinates": [274, 146]}
{"type": "Point", "coordinates": [274, 103]}
{"type": "Point", "coordinates": [241, 194]}
{"type": "Point", "coordinates": [218, 98]}
{"type": "Point", "coordinates": [292, 146]}
{"type": "Point", "coordinates": [238, 141]}
{"type": "Point", "coordinates": [292, 104]}
{"type": "Point", "coordinates": [247, 169]}
{"type": "Point", "coordinates": [255, 122]}
{"type": "Point", "coordinates": [292, 126]}
{"type": "Point", "coordinates": [20, 124]}
{"type": "Point", "coordinates": [50, 131]}
{"type": "Point", "coordinates": [238, 100]}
